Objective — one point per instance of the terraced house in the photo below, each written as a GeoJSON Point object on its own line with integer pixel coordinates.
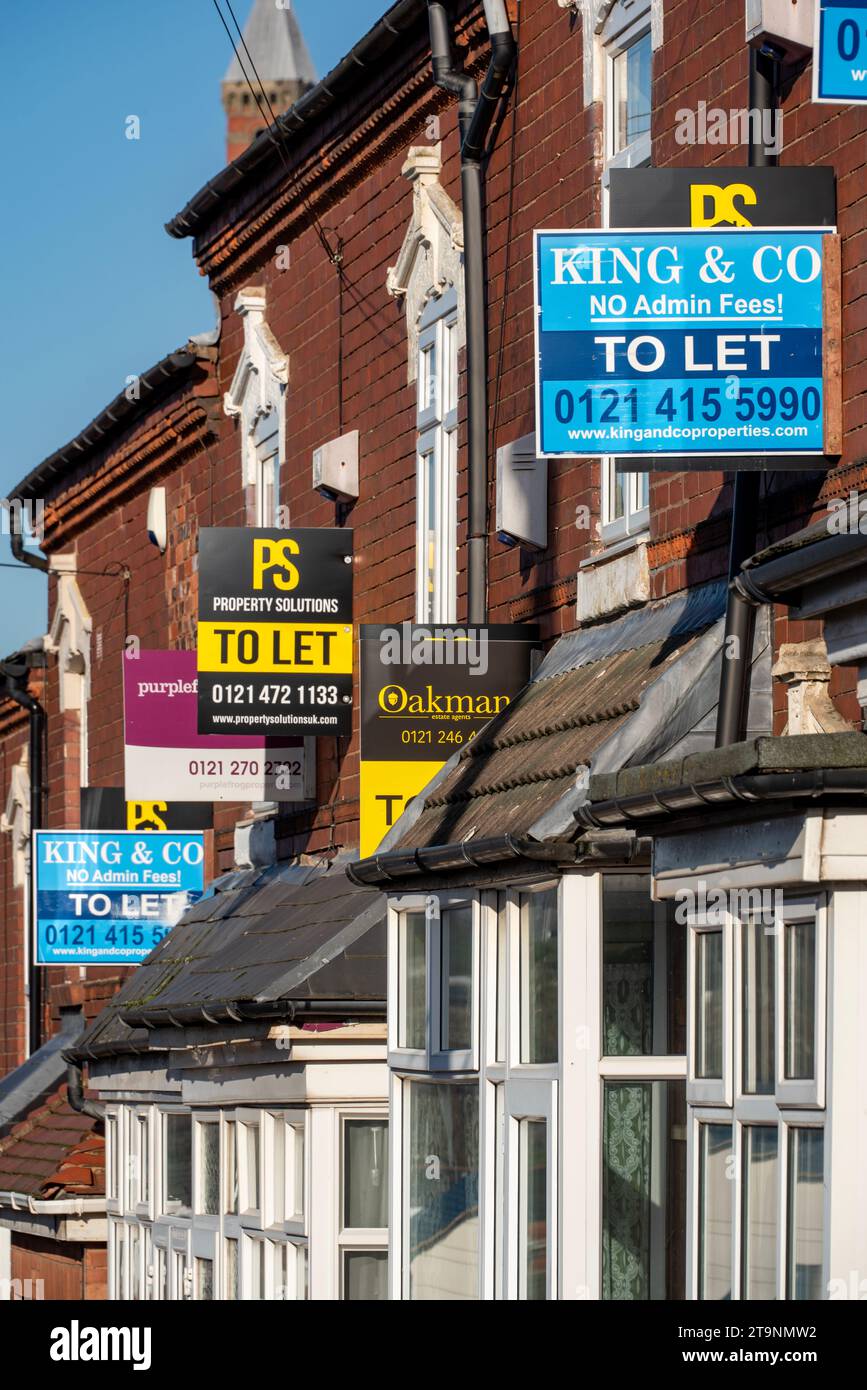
{"type": "Point", "coordinates": [581, 1021]}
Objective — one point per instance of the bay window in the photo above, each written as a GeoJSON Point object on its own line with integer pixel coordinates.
{"type": "Point", "coordinates": [364, 1209]}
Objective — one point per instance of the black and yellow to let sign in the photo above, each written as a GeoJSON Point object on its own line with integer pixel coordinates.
{"type": "Point", "coordinates": [275, 643]}
{"type": "Point", "coordinates": [425, 693]}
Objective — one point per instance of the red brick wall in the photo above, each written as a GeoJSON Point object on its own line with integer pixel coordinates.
{"type": "Point", "coordinates": [13, 1013]}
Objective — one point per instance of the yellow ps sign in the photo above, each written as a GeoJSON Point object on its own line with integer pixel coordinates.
{"type": "Point", "coordinates": [146, 815]}
{"type": "Point", "coordinates": [711, 204]}
{"type": "Point", "coordinates": [271, 555]}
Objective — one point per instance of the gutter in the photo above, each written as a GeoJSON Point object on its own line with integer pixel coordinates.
{"type": "Point", "coordinates": [341, 80]}
{"type": "Point", "coordinates": [116, 414]}
{"type": "Point", "coordinates": [755, 787]}
{"type": "Point", "coordinates": [476, 854]}
{"type": "Point", "coordinates": [824, 558]}
{"type": "Point", "coordinates": [281, 1010]}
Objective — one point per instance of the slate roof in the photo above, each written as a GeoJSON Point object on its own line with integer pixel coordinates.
{"type": "Point", "coordinates": [277, 47]}
{"type": "Point", "coordinates": [517, 769]}
{"type": "Point", "coordinates": [288, 932]}
{"type": "Point", "coordinates": [54, 1152]}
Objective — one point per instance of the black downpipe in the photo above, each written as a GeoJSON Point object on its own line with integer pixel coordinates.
{"type": "Point", "coordinates": [734, 693]}
{"type": "Point", "coordinates": [24, 556]}
{"type": "Point", "coordinates": [475, 116]}
{"type": "Point", "coordinates": [17, 692]}
{"type": "Point", "coordinates": [75, 1093]}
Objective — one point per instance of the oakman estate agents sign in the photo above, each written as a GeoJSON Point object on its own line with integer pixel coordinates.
{"type": "Point", "coordinates": [275, 631]}
{"type": "Point", "coordinates": [673, 343]}
{"type": "Point", "coordinates": [425, 692]}
{"type": "Point", "coordinates": [108, 898]}
{"type": "Point", "coordinates": [167, 759]}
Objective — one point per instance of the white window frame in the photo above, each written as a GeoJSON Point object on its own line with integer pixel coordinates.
{"type": "Point", "coordinates": [433, 1058]}
{"type": "Point", "coordinates": [361, 1239]}
{"type": "Point", "coordinates": [163, 1114]}
{"type": "Point", "coordinates": [803, 1091]}
{"type": "Point", "coordinates": [624, 26]}
{"type": "Point", "coordinates": [437, 426]}
{"type": "Point", "coordinates": [778, 1109]}
{"type": "Point", "coordinates": [782, 1121]}
{"type": "Point", "coordinates": [710, 1090]}
{"type": "Point", "coordinates": [638, 1069]}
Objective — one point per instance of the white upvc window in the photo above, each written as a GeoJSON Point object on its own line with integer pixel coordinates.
{"type": "Point", "coordinates": [434, 955]}
{"type": "Point", "coordinates": [757, 1194]}
{"type": "Point", "coordinates": [436, 461]}
{"type": "Point", "coordinates": [363, 1221]}
{"type": "Point", "coordinates": [475, 1132]}
{"type": "Point", "coordinates": [642, 1092]}
{"type": "Point", "coordinates": [627, 49]}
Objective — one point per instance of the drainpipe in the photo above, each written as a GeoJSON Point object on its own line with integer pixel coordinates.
{"type": "Point", "coordinates": [476, 112]}
{"type": "Point", "coordinates": [14, 675]}
{"type": "Point", "coordinates": [24, 556]}
{"type": "Point", "coordinates": [75, 1093]}
{"type": "Point", "coordinates": [734, 692]}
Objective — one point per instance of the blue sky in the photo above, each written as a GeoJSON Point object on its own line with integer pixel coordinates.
{"type": "Point", "coordinates": [92, 287]}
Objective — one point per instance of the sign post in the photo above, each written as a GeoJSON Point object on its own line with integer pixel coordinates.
{"type": "Point", "coordinates": [275, 631]}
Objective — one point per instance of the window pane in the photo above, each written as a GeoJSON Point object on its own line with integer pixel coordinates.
{"type": "Point", "coordinates": [209, 1169]}
{"type": "Point", "coordinates": [298, 1173]}
{"type": "Point", "coordinates": [644, 970]}
{"type": "Point", "coordinates": [800, 1008]}
{"type": "Point", "coordinates": [204, 1279]}
{"type": "Point", "coordinates": [443, 1215]}
{"type": "Point", "coordinates": [134, 1265]}
{"type": "Point", "coordinates": [758, 1007]}
{"type": "Point", "coordinates": [456, 998]}
{"type": "Point", "coordinates": [413, 978]}
{"type": "Point", "coordinates": [231, 1248]}
{"type": "Point", "coordinates": [143, 1159]}
{"type": "Point", "coordinates": [113, 1157]}
{"type": "Point", "coordinates": [365, 1173]}
{"type": "Point", "coordinates": [257, 1269]}
{"type": "Point", "coordinates": [178, 1169]}
{"type": "Point", "coordinates": [534, 1207]}
{"type": "Point", "coordinates": [365, 1274]}
{"type": "Point", "coordinates": [231, 1193]}
{"type": "Point", "coordinates": [502, 978]}
{"type": "Point", "coordinates": [278, 1170]}
{"type": "Point", "coordinates": [644, 1190]}
{"type": "Point", "coordinates": [539, 1006]}
{"type": "Point", "coordinates": [709, 1004]}
{"type": "Point", "coordinates": [632, 93]}
{"type": "Point", "coordinates": [251, 1201]}
{"type": "Point", "coordinates": [806, 1211]}
{"type": "Point", "coordinates": [715, 1212]}
{"type": "Point", "coordinates": [760, 1198]}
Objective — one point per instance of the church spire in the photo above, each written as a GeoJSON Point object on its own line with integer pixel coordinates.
{"type": "Point", "coordinates": [281, 57]}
